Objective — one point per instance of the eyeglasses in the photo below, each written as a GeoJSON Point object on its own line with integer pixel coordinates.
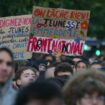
{"type": "Point", "coordinates": [8, 63]}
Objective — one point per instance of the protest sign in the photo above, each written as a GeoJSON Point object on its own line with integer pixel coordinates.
{"type": "Point", "coordinates": [60, 23]}
{"type": "Point", "coordinates": [46, 45]}
{"type": "Point", "coordinates": [22, 55]}
{"type": "Point", "coordinates": [14, 34]}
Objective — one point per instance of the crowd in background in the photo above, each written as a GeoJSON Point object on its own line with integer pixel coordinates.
{"type": "Point", "coordinates": [52, 79]}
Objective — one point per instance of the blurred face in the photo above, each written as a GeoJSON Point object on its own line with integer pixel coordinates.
{"type": "Point", "coordinates": [50, 72]}
{"type": "Point", "coordinates": [93, 99]}
{"type": "Point", "coordinates": [36, 102]}
{"type": "Point", "coordinates": [27, 77]}
{"type": "Point", "coordinates": [49, 59]}
{"type": "Point", "coordinates": [6, 69]}
{"type": "Point", "coordinates": [56, 101]}
{"type": "Point", "coordinates": [81, 66]}
{"type": "Point", "coordinates": [64, 74]}
{"type": "Point", "coordinates": [96, 66]}
{"type": "Point", "coordinates": [42, 67]}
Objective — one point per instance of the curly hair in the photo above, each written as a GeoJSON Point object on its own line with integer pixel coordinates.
{"type": "Point", "coordinates": [88, 81]}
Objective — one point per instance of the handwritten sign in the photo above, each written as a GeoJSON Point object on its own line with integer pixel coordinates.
{"type": "Point", "coordinates": [22, 55]}
{"type": "Point", "coordinates": [14, 34]}
{"type": "Point", "coordinates": [65, 24]}
{"type": "Point", "coordinates": [45, 45]}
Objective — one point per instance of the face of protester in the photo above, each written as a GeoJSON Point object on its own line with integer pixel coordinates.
{"type": "Point", "coordinates": [36, 102]}
{"type": "Point", "coordinates": [55, 101]}
{"type": "Point", "coordinates": [81, 66]}
{"type": "Point", "coordinates": [93, 99]}
{"type": "Point", "coordinates": [49, 59]}
{"type": "Point", "coordinates": [96, 66]}
{"type": "Point", "coordinates": [64, 74]}
{"type": "Point", "coordinates": [27, 77]}
{"type": "Point", "coordinates": [6, 69]}
{"type": "Point", "coordinates": [50, 72]}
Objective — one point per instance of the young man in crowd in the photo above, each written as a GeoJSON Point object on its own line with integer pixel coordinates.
{"type": "Point", "coordinates": [63, 69]}
{"type": "Point", "coordinates": [25, 76]}
{"type": "Point", "coordinates": [86, 88]}
{"type": "Point", "coordinates": [62, 73]}
{"type": "Point", "coordinates": [40, 93]}
{"type": "Point", "coordinates": [81, 65]}
{"type": "Point", "coordinates": [7, 93]}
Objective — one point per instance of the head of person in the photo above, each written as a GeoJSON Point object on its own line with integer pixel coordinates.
{"type": "Point", "coordinates": [25, 76]}
{"type": "Point", "coordinates": [63, 69]}
{"type": "Point", "coordinates": [96, 65]}
{"type": "Point", "coordinates": [49, 59]}
{"type": "Point", "coordinates": [6, 65]}
{"type": "Point", "coordinates": [76, 59]}
{"type": "Point", "coordinates": [50, 72]}
{"type": "Point", "coordinates": [81, 65]}
{"type": "Point", "coordinates": [51, 69]}
{"type": "Point", "coordinates": [40, 93]}
{"type": "Point", "coordinates": [69, 60]}
{"type": "Point", "coordinates": [86, 88]}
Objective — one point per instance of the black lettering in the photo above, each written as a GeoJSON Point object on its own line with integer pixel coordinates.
{"type": "Point", "coordinates": [11, 30]}
{"type": "Point", "coordinates": [65, 48]}
{"type": "Point", "coordinates": [27, 29]}
{"type": "Point", "coordinates": [77, 26]}
{"type": "Point", "coordinates": [50, 23]}
{"type": "Point", "coordinates": [39, 44]}
{"type": "Point", "coordinates": [46, 21]}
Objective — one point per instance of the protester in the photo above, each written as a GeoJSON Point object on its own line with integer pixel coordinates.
{"type": "Point", "coordinates": [25, 76]}
{"type": "Point", "coordinates": [63, 69]}
{"type": "Point", "coordinates": [96, 65]}
{"type": "Point", "coordinates": [76, 59]}
{"type": "Point", "coordinates": [62, 73]}
{"type": "Point", "coordinates": [49, 59]}
{"type": "Point", "coordinates": [86, 88]}
{"type": "Point", "coordinates": [36, 60]}
{"type": "Point", "coordinates": [81, 65]}
{"type": "Point", "coordinates": [50, 72]}
{"type": "Point", "coordinates": [40, 93]}
{"type": "Point", "coordinates": [7, 93]}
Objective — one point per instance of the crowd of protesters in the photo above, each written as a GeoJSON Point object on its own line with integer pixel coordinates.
{"type": "Point", "coordinates": [52, 79]}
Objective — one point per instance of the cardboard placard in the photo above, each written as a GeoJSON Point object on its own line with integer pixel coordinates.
{"type": "Point", "coordinates": [60, 23]}
{"type": "Point", "coordinates": [46, 45]}
{"type": "Point", "coordinates": [14, 34]}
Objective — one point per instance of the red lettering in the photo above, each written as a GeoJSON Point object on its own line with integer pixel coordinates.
{"type": "Point", "coordinates": [79, 15]}
{"type": "Point", "coordinates": [25, 21]}
{"type": "Point", "coordinates": [71, 47]}
{"type": "Point", "coordinates": [59, 45]}
{"type": "Point", "coordinates": [48, 13]}
{"type": "Point", "coordinates": [80, 49]}
{"type": "Point", "coordinates": [53, 13]}
{"type": "Point", "coordinates": [39, 44]}
{"type": "Point", "coordinates": [19, 22]}
{"type": "Point", "coordinates": [62, 44]}
{"type": "Point", "coordinates": [63, 14]}
{"type": "Point", "coordinates": [49, 44]}
{"type": "Point", "coordinates": [39, 12]}
{"type": "Point", "coordinates": [54, 45]}
{"type": "Point", "coordinates": [31, 44]}
{"type": "Point", "coordinates": [76, 47]}
{"type": "Point", "coordinates": [72, 15]}
{"type": "Point", "coordinates": [1, 23]}
{"type": "Point", "coordinates": [44, 45]}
